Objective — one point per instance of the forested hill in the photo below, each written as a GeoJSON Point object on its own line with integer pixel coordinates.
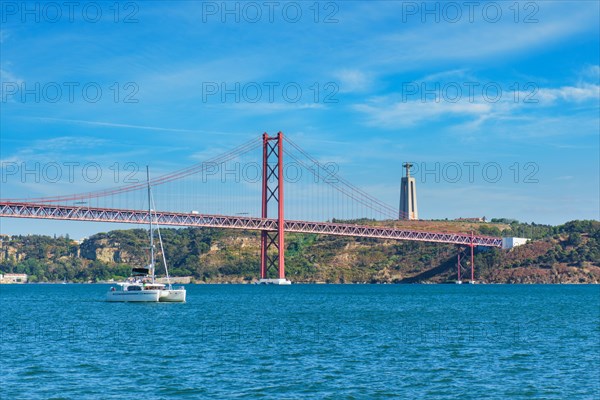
{"type": "Point", "coordinates": [568, 253]}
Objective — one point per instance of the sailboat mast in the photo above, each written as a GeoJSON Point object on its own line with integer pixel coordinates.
{"type": "Point", "coordinates": [150, 219]}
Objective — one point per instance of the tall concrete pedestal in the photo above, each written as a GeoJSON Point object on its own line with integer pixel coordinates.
{"type": "Point", "coordinates": [408, 196]}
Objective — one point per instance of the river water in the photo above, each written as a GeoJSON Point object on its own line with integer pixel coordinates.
{"type": "Point", "coordinates": [303, 341]}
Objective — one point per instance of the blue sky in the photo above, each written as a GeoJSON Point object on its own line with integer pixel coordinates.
{"type": "Point", "coordinates": [517, 87]}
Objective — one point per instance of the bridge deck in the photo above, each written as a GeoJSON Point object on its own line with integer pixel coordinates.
{"type": "Point", "coordinates": [75, 213]}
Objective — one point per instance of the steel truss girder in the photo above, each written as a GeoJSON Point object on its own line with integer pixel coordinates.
{"type": "Point", "coordinates": [74, 213]}
{"type": "Point", "coordinates": [390, 233]}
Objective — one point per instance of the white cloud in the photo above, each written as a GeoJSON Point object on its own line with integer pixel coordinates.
{"type": "Point", "coordinates": [53, 149]}
{"type": "Point", "coordinates": [65, 143]}
{"type": "Point", "coordinates": [352, 80]}
{"type": "Point", "coordinates": [397, 114]}
{"type": "Point", "coordinates": [389, 112]}
{"type": "Point", "coordinates": [130, 126]}
{"type": "Point", "coordinates": [8, 79]}
{"type": "Point", "coordinates": [454, 73]}
{"type": "Point", "coordinates": [411, 45]}
{"type": "Point", "coordinates": [574, 94]}
{"type": "Point", "coordinates": [7, 76]}
{"type": "Point", "coordinates": [269, 108]}
{"type": "Point", "coordinates": [592, 72]}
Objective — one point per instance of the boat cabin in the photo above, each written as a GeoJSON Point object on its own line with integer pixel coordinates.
{"type": "Point", "coordinates": [138, 286]}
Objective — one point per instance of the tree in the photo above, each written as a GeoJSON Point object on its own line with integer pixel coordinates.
{"type": "Point", "coordinates": [574, 239]}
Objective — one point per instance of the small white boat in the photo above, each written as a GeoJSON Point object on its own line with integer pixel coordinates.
{"type": "Point", "coordinates": [279, 281]}
{"type": "Point", "coordinates": [138, 291]}
{"type": "Point", "coordinates": [142, 285]}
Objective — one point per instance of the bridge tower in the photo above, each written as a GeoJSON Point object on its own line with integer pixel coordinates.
{"type": "Point", "coordinates": [408, 195]}
{"type": "Point", "coordinates": [272, 244]}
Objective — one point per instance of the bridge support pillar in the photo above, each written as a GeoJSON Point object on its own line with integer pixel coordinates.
{"type": "Point", "coordinates": [458, 268]}
{"type": "Point", "coordinates": [472, 245]}
{"type": "Point", "coordinates": [272, 245]}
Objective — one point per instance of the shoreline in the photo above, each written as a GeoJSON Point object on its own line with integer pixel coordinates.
{"type": "Point", "coordinates": [323, 283]}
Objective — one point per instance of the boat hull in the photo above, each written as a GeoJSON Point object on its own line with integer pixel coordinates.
{"type": "Point", "coordinates": [142, 296]}
{"type": "Point", "coordinates": [172, 296]}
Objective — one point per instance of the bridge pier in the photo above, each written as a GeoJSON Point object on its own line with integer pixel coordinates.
{"type": "Point", "coordinates": [458, 267]}
{"type": "Point", "coordinates": [272, 243]}
{"type": "Point", "coordinates": [472, 245]}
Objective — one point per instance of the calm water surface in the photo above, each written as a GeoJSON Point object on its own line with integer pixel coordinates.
{"type": "Point", "coordinates": [303, 341]}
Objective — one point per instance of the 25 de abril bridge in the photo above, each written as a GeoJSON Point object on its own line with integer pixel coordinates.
{"type": "Point", "coordinates": [268, 184]}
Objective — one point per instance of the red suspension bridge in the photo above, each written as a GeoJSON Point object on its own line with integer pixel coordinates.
{"type": "Point", "coordinates": [335, 196]}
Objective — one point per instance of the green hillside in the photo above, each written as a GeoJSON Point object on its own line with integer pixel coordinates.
{"type": "Point", "coordinates": [565, 253]}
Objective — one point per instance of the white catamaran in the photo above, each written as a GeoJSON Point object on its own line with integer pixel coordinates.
{"type": "Point", "coordinates": [142, 285]}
